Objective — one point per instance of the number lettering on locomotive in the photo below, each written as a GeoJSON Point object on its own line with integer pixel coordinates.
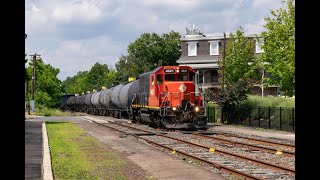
{"type": "Point", "coordinates": [169, 70]}
{"type": "Point", "coordinates": [183, 70]}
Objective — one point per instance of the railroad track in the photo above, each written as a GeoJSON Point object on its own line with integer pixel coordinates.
{"type": "Point", "coordinates": [252, 143]}
{"type": "Point", "coordinates": [231, 163]}
{"type": "Point", "coordinates": [286, 148]}
{"type": "Point", "coordinates": [253, 146]}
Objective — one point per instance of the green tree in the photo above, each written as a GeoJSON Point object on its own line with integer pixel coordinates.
{"type": "Point", "coordinates": [238, 73]}
{"type": "Point", "coordinates": [239, 54]}
{"type": "Point", "coordinates": [231, 99]}
{"type": "Point", "coordinates": [128, 66]}
{"type": "Point", "coordinates": [148, 50]}
{"type": "Point", "coordinates": [279, 47]}
{"type": "Point", "coordinates": [76, 84]}
{"type": "Point", "coordinates": [48, 89]}
{"type": "Point", "coordinates": [110, 78]}
{"type": "Point", "coordinates": [96, 76]}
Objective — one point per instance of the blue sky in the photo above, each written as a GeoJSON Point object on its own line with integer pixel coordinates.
{"type": "Point", "coordinates": [73, 35]}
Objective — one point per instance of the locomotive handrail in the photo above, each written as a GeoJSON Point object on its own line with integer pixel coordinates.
{"type": "Point", "coordinates": [163, 100]}
{"type": "Point", "coordinates": [133, 98]}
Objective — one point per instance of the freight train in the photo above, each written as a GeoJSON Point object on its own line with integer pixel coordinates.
{"type": "Point", "coordinates": [167, 97]}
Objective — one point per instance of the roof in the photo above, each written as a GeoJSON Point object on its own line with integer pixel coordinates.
{"type": "Point", "coordinates": [151, 72]}
{"type": "Point", "coordinates": [214, 37]}
{"type": "Point", "coordinates": [198, 59]}
{"type": "Point", "coordinates": [202, 66]}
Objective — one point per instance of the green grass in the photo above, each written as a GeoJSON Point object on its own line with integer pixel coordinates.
{"type": "Point", "coordinates": [269, 101]}
{"type": "Point", "coordinates": [213, 112]}
{"type": "Point", "coordinates": [44, 111]}
{"type": "Point", "coordinates": [76, 155]}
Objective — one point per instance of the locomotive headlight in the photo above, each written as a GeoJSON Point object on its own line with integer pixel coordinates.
{"type": "Point", "coordinates": [174, 108]}
{"type": "Point", "coordinates": [196, 108]}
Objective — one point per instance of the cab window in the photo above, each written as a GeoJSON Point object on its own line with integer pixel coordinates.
{"type": "Point", "coordinates": [152, 80]}
{"type": "Point", "coordinates": [169, 77]}
{"type": "Point", "coordinates": [159, 79]}
{"type": "Point", "coordinates": [191, 76]}
{"type": "Point", "coordinates": [183, 77]}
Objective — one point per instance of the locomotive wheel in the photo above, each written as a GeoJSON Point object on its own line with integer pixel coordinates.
{"type": "Point", "coordinates": [158, 122]}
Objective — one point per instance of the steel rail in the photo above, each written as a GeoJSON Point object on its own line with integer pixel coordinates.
{"type": "Point", "coordinates": [225, 169]}
{"type": "Point", "coordinates": [254, 139]}
{"type": "Point", "coordinates": [263, 163]}
{"type": "Point", "coordinates": [266, 164]}
{"type": "Point", "coordinates": [271, 150]}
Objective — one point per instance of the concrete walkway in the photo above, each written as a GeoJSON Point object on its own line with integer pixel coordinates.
{"type": "Point", "coordinates": [37, 155]}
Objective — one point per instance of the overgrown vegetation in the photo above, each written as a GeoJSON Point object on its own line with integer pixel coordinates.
{"type": "Point", "coordinates": [268, 101]}
{"type": "Point", "coordinates": [76, 155]}
{"type": "Point", "coordinates": [232, 97]}
{"type": "Point", "coordinates": [42, 110]}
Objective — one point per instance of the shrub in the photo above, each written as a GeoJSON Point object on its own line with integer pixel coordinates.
{"type": "Point", "coordinates": [45, 111]}
{"type": "Point", "coordinates": [268, 101]}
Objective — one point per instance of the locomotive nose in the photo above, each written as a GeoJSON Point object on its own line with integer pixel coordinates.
{"type": "Point", "coordinates": [181, 94]}
{"type": "Point", "coordinates": [181, 87]}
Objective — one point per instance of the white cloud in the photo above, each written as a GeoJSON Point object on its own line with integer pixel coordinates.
{"type": "Point", "coordinates": [266, 4]}
{"type": "Point", "coordinates": [34, 8]}
{"type": "Point", "coordinates": [173, 3]}
{"type": "Point", "coordinates": [80, 55]}
{"type": "Point", "coordinates": [72, 35]}
{"type": "Point", "coordinates": [254, 27]}
{"type": "Point", "coordinates": [84, 11]}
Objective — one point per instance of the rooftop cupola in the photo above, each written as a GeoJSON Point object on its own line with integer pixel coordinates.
{"type": "Point", "coordinates": [193, 32]}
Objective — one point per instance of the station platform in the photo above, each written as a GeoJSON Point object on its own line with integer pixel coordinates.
{"type": "Point", "coordinates": [37, 157]}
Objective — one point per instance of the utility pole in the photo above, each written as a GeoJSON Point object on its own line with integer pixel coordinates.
{"type": "Point", "coordinates": [224, 55]}
{"type": "Point", "coordinates": [32, 103]}
{"type": "Point", "coordinates": [25, 81]}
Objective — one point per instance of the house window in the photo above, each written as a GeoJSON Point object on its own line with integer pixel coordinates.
{"type": "Point", "coordinates": [192, 48]}
{"type": "Point", "coordinates": [259, 42]}
{"type": "Point", "coordinates": [214, 47]}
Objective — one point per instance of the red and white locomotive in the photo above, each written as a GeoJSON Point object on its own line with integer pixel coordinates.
{"type": "Point", "coordinates": [169, 97]}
